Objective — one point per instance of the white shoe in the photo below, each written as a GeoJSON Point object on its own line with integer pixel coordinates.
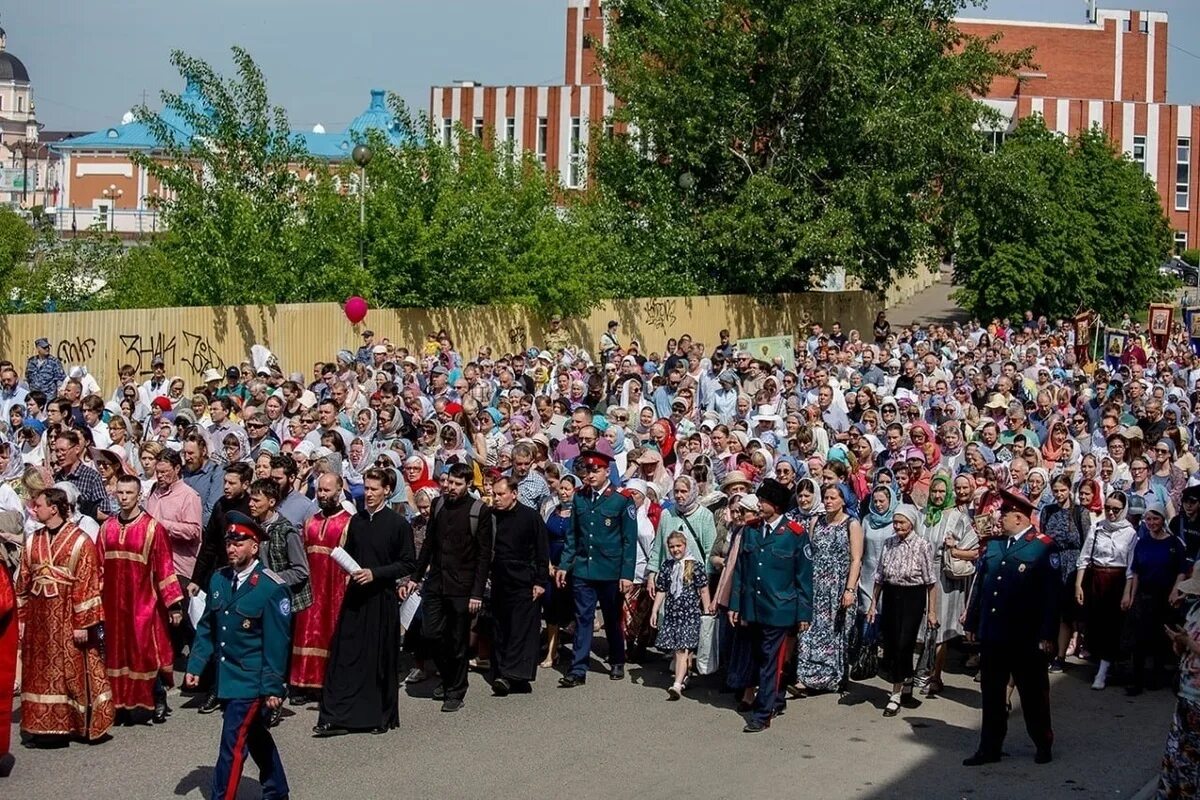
{"type": "Point", "coordinates": [416, 675]}
{"type": "Point", "coordinates": [675, 692]}
{"type": "Point", "coordinates": [1100, 682]}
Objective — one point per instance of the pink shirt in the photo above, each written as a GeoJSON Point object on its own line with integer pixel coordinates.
{"type": "Point", "coordinates": [178, 509]}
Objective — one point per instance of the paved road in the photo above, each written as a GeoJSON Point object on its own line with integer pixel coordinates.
{"type": "Point", "coordinates": [624, 740]}
{"type": "Point", "coordinates": [931, 305]}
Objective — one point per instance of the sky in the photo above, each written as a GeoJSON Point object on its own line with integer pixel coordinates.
{"type": "Point", "coordinates": [92, 61]}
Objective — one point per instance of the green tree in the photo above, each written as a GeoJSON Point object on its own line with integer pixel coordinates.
{"type": "Point", "coordinates": [793, 138]}
{"type": "Point", "coordinates": [16, 238]}
{"type": "Point", "coordinates": [1059, 225]}
{"type": "Point", "coordinates": [240, 219]}
{"type": "Point", "coordinates": [68, 274]}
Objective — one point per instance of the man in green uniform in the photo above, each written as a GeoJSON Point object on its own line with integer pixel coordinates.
{"type": "Point", "coordinates": [771, 595]}
{"type": "Point", "coordinates": [245, 629]}
{"type": "Point", "coordinates": [600, 556]}
{"type": "Point", "coordinates": [556, 338]}
{"type": "Point", "coordinates": [1014, 615]}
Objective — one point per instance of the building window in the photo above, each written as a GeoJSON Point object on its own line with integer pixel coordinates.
{"type": "Point", "coordinates": [1144, 25]}
{"type": "Point", "coordinates": [20, 103]}
{"type": "Point", "coordinates": [587, 12]}
{"type": "Point", "coordinates": [1, 103]}
{"type": "Point", "coordinates": [510, 129]}
{"type": "Point", "coordinates": [1181, 240]}
{"type": "Point", "coordinates": [587, 42]}
{"type": "Point", "coordinates": [610, 131]}
{"type": "Point", "coordinates": [1127, 25]}
{"type": "Point", "coordinates": [992, 140]}
{"type": "Point", "coordinates": [543, 135]}
{"type": "Point", "coordinates": [447, 132]}
{"type": "Point", "coordinates": [1183, 171]}
{"type": "Point", "coordinates": [479, 128]}
{"type": "Point", "coordinates": [575, 177]}
{"type": "Point", "coordinates": [1139, 151]}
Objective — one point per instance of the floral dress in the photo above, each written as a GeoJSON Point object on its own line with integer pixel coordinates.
{"type": "Point", "coordinates": [1180, 776]}
{"type": "Point", "coordinates": [679, 628]}
{"type": "Point", "coordinates": [822, 648]}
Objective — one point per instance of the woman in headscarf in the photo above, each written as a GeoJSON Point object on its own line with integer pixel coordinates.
{"type": "Point", "coordinates": [877, 529]}
{"type": "Point", "coordinates": [997, 478]}
{"type": "Point", "coordinates": [359, 459]}
{"type": "Point", "coordinates": [1038, 489]}
{"type": "Point", "coordinates": [662, 434]}
{"type": "Point", "coordinates": [947, 528]}
{"type": "Point", "coordinates": [558, 608]}
{"type": "Point", "coordinates": [1060, 452]}
{"type": "Point", "coordinates": [615, 434]}
{"type": "Point", "coordinates": [923, 438]}
{"type": "Point", "coordinates": [1100, 582]}
{"type": "Point", "coordinates": [808, 504]}
{"type": "Point", "coordinates": [418, 473]}
{"type": "Point", "coordinates": [836, 540]}
{"type": "Point", "coordinates": [650, 464]}
{"type": "Point", "coordinates": [905, 589]}
{"type": "Point", "coordinates": [365, 424]}
{"type": "Point", "coordinates": [787, 472]}
{"type": "Point", "coordinates": [1164, 473]}
{"type": "Point", "coordinates": [696, 521]}
{"type": "Point", "coordinates": [638, 601]}
{"type": "Point", "coordinates": [390, 422]}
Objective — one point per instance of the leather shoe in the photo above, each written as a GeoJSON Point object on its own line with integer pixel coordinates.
{"type": "Point", "coordinates": [617, 673]}
{"type": "Point", "coordinates": [378, 731]}
{"type": "Point", "coordinates": [324, 730]}
{"type": "Point", "coordinates": [210, 704]}
{"type": "Point", "coordinates": [1043, 756]}
{"type": "Point", "coordinates": [978, 759]}
{"type": "Point", "coordinates": [501, 687]}
{"type": "Point", "coordinates": [571, 681]}
{"type": "Point", "coordinates": [161, 709]}
{"type": "Point", "coordinates": [754, 726]}
{"type": "Point", "coordinates": [274, 715]}
{"type": "Point", "coordinates": [298, 699]}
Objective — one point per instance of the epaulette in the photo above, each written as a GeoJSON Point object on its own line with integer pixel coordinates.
{"type": "Point", "coordinates": [796, 528]}
{"type": "Point", "coordinates": [273, 576]}
{"type": "Point", "coordinates": [1044, 539]}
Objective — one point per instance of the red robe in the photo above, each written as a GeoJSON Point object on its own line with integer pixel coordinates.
{"type": "Point", "coordinates": [139, 587]}
{"type": "Point", "coordinates": [315, 624]}
{"type": "Point", "coordinates": [64, 689]}
{"type": "Point", "coordinates": [8, 657]}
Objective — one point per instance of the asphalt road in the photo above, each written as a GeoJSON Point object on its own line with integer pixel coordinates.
{"type": "Point", "coordinates": [619, 740]}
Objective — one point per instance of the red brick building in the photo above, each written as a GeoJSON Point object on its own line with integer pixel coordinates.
{"type": "Point", "coordinates": [1108, 70]}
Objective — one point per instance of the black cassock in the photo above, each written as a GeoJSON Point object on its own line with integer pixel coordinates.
{"type": "Point", "coordinates": [362, 680]}
{"type": "Point", "coordinates": [520, 559]}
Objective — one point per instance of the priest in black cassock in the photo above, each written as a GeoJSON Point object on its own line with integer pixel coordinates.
{"type": "Point", "coordinates": [520, 562]}
{"type": "Point", "coordinates": [362, 680]}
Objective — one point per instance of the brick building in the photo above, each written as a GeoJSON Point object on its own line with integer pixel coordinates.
{"type": "Point", "coordinates": [1109, 70]}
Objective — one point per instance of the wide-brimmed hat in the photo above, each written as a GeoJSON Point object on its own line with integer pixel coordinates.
{"type": "Point", "coordinates": [734, 478]}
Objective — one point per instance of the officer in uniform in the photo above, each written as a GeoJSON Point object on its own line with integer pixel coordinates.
{"type": "Point", "coordinates": [771, 595]}
{"type": "Point", "coordinates": [246, 629]}
{"type": "Point", "coordinates": [556, 338]}
{"type": "Point", "coordinates": [1013, 614]}
{"type": "Point", "coordinates": [600, 556]}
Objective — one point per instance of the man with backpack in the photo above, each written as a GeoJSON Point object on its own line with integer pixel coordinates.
{"type": "Point", "coordinates": [454, 560]}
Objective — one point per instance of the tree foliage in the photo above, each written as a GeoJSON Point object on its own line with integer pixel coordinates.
{"type": "Point", "coordinates": [1059, 225]}
{"type": "Point", "coordinates": [16, 238]}
{"type": "Point", "coordinates": [808, 136]}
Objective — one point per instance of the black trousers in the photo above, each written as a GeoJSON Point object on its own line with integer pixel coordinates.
{"type": "Point", "coordinates": [1026, 665]}
{"type": "Point", "coordinates": [447, 622]}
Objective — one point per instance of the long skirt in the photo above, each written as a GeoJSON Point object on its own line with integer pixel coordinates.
{"type": "Point", "coordinates": [636, 609]}
{"type": "Point", "coordinates": [1181, 760]}
{"type": "Point", "coordinates": [1103, 588]}
{"type": "Point", "coordinates": [904, 606]}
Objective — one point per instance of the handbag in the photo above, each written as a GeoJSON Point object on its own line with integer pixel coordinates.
{"type": "Point", "coordinates": [864, 652]}
{"type": "Point", "coordinates": [929, 653]}
{"type": "Point", "coordinates": [708, 652]}
{"type": "Point", "coordinates": [959, 568]}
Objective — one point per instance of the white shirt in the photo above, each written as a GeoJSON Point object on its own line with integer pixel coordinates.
{"type": "Point", "coordinates": [241, 577]}
{"type": "Point", "coordinates": [1107, 548]}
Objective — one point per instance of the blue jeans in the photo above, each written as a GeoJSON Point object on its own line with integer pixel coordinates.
{"type": "Point", "coordinates": [243, 730]}
{"type": "Point", "coordinates": [587, 594]}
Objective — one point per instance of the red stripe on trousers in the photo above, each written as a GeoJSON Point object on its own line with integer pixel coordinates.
{"type": "Point", "coordinates": [239, 750]}
{"type": "Point", "coordinates": [784, 646]}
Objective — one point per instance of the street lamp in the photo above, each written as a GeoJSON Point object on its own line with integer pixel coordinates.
{"type": "Point", "coordinates": [362, 156]}
{"type": "Point", "coordinates": [112, 193]}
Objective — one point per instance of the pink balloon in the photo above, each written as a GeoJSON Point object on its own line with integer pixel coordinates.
{"type": "Point", "coordinates": [356, 309]}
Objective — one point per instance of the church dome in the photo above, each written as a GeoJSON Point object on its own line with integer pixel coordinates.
{"type": "Point", "coordinates": [11, 68]}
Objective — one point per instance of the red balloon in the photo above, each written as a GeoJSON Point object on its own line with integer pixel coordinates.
{"type": "Point", "coordinates": [356, 309]}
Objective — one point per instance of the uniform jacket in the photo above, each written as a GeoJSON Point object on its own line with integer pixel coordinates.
{"type": "Point", "coordinates": [772, 578]}
{"type": "Point", "coordinates": [247, 633]}
{"type": "Point", "coordinates": [1015, 597]}
{"type": "Point", "coordinates": [602, 542]}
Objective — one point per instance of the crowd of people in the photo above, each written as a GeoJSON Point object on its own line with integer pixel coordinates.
{"type": "Point", "coordinates": [882, 505]}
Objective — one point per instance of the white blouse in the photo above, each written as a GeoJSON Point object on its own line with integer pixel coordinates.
{"type": "Point", "coordinates": [1108, 546]}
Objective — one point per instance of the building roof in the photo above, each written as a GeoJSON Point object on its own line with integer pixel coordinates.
{"type": "Point", "coordinates": [327, 146]}
{"type": "Point", "coordinates": [11, 68]}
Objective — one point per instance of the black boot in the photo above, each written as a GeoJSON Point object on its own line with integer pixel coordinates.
{"type": "Point", "coordinates": [6, 764]}
{"type": "Point", "coordinates": [161, 709]}
{"type": "Point", "coordinates": [210, 704]}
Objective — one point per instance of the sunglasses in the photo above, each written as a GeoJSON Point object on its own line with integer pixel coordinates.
{"type": "Point", "coordinates": [1113, 509]}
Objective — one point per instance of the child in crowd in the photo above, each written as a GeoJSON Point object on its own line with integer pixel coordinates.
{"type": "Point", "coordinates": [682, 589]}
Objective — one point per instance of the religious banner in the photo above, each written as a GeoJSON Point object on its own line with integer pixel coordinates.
{"type": "Point", "coordinates": [1160, 318]}
{"type": "Point", "coordinates": [770, 348]}
{"type": "Point", "coordinates": [1191, 323]}
{"type": "Point", "coordinates": [1083, 337]}
{"type": "Point", "coordinates": [1114, 345]}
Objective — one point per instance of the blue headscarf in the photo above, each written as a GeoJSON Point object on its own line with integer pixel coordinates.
{"type": "Point", "coordinates": [619, 444]}
{"type": "Point", "coordinates": [882, 520]}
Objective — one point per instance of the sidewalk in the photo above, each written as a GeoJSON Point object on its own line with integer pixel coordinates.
{"type": "Point", "coordinates": [932, 305]}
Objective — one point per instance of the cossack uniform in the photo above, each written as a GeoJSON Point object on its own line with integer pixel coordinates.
{"type": "Point", "coordinates": [246, 630]}
{"type": "Point", "coordinates": [771, 594]}
{"type": "Point", "coordinates": [601, 551]}
{"type": "Point", "coordinates": [1013, 609]}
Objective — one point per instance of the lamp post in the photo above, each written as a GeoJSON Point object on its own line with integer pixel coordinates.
{"type": "Point", "coordinates": [112, 193]}
{"type": "Point", "coordinates": [362, 156]}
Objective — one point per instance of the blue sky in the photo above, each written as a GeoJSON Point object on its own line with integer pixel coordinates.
{"type": "Point", "coordinates": [92, 60]}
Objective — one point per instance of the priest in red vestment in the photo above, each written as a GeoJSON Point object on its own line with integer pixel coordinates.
{"type": "Point", "coordinates": [64, 691]}
{"type": "Point", "coordinates": [141, 596]}
{"type": "Point", "coordinates": [8, 667]}
{"type": "Point", "coordinates": [314, 625]}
